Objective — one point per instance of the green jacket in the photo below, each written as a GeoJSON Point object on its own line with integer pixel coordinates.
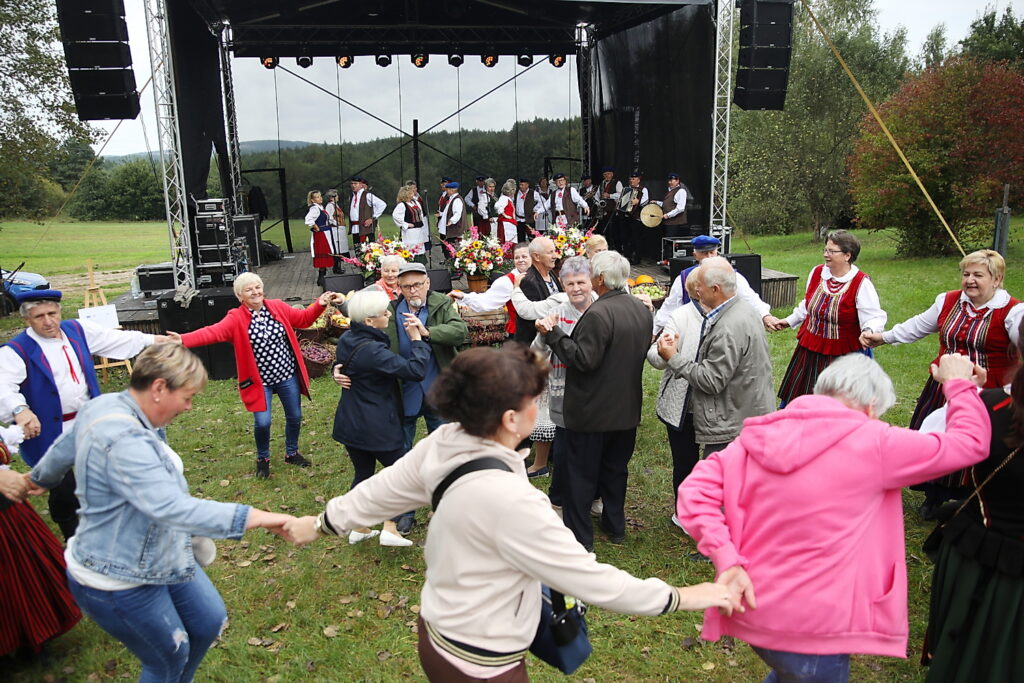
{"type": "Point", "coordinates": [448, 331]}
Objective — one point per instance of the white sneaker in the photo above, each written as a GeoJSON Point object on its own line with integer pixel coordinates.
{"type": "Point", "coordinates": [358, 536]}
{"type": "Point", "coordinates": [389, 539]}
{"type": "Point", "coordinates": [675, 520]}
{"type": "Point", "coordinates": [596, 508]}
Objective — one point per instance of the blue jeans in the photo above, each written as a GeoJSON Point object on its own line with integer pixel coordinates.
{"type": "Point", "coordinates": [288, 392]}
{"type": "Point", "coordinates": [792, 667]}
{"type": "Point", "coordinates": [409, 425]}
{"type": "Point", "coordinates": [169, 628]}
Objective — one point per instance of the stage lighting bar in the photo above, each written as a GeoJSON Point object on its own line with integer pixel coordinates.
{"type": "Point", "coordinates": [420, 59]}
{"type": "Point", "coordinates": [304, 61]}
{"type": "Point", "coordinates": [557, 61]}
{"type": "Point", "coordinates": [383, 60]}
{"type": "Point", "coordinates": [456, 59]}
{"type": "Point", "coordinates": [344, 61]}
{"type": "Point", "coordinates": [269, 62]}
{"type": "Point", "coordinates": [489, 60]}
{"type": "Point", "coordinates": [525, 60]}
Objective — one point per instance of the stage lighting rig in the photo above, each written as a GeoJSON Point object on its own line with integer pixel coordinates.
{"type": "Point", "coordinates": [344, 61]}
{"type": "Point", "coordinates": [489, 59]}
{"type": "Point", "coordinates": [557, 61]}
{"type": "Point", "coordinates": [456, 59]}
{"type": "Point", "coordinates": [304, 61]}
{"type": "Point", "coordinates": [383, 60]}
{"type": "Point", "coordinates": [525, 60]}
{"type": "Point", "coordinates": [269, 62]}
{"type": "Point", "coordinates": [420, 59]}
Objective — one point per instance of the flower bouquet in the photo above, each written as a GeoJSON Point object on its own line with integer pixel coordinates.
{"type": "Point", "coordinates": [370, 254]}
{"type": "Point", "coordinates": [569, 241]}
{"type": "Point", "coordinates": [477, 255]}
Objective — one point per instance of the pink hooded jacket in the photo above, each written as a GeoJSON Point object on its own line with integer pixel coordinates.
{"type": "Point", "coordinates": [808, 501]}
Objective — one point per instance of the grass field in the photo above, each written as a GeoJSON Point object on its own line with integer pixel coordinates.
{"type": "Point", "coordinates": [281, 600]}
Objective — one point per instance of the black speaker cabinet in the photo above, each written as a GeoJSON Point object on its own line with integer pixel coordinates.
{"type": "Point", "coordinates": [759, 100]}
{"type": "Point", "coordinates": [176, 318]}
{"type": "Point", "coordinates": [749, 266]}
{"type": "Point", "coordinates": [216, 302]}
{"type": "Point", "coordinates": [248, 226]}
{"type": "Point", "coordinates": [679, 264]}
{"type": "Point", "coordinates": [440, 280]}
{"type": "Point", "coordinates": [344, 284]}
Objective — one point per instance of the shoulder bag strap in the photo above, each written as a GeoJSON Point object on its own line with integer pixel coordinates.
{"type": "Point", "coordinates": [487, 463]}
{"type": "Point", "coordinates": [352, 353]}
{"type": "Point", "coordinates": [980, 486]}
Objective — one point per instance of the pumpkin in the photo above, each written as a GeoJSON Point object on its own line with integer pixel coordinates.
{"type": "Point", "coordinates": [645, 280]}
{"type": "Point", "coordinates": [631, 282]}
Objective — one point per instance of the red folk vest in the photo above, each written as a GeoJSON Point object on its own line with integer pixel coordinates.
{"type": "Point", "coordinates": [982, 338]}
{"type": "Point", "coordinates": [510, 326]}
{"type": "Point", "coordinates": [832, 326]}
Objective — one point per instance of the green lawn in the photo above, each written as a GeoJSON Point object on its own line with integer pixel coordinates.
{"type": "Point", "coordinates": [281, 599]}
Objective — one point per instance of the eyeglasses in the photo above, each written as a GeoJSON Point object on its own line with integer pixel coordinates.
{"type": "Point", "coordinates": [413, 286]}
{"type": "Point", "coordinates": [833, 251]}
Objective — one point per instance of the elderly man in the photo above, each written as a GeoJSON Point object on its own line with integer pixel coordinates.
{"type": "Point", "coordinates": [731, 377]}
{"type": "Point", "coordinates": [566, 204]}
{"type": "Point", "coordinates": [47, 374]}
{"type": "Point", "coordinates": [364, 209]}
{"type": "Point", "coordinates": [604, 358]}
{"type": "Point", "coordinates": [452, 221]}
{"type": "Point", "coordinates": [705, 246]}
{"type": "Point", "coordinates": [538, 283]}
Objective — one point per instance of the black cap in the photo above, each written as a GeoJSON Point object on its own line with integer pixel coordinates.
{"type": "Point", "coordinates": [480, 177]}
{"type": "Point", "coordinates": [673, 175]}
{"type": "Point", "coordinates": [558, 175]}
{"type": "Point", "coordinates": [585, 176]}
{"type": "Point", "coordinates": [636, 174]}
{"type": "Point", "coordinates": [358, 179]}
{"type": "Point", "coordinates": [445, 179]}
{"type": "Point", "coordinates": [524, 180]}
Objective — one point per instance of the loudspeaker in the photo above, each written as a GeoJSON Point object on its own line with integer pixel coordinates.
{"type": "Point", "coordinates": [755, 57]}
{"type": "Point", "coordinates": [762, 79]}
{"type": "Point", "coordinates": [440, 280]}
{"type": "Point", "coordinates": [98, 55]}
{"type": "Point", "coordinates": [177, 318]}
{"type": "Point", "coordinates": [216, 302]}
{"type": "Point", "coordinates": [749, 266]}
{"type": "Point", "coordinates": [768, 35]}
{"type": "Point", "coordinates": [679, 264]}
{"type": "Point", "coordinates": [764, 100]}
{"type": "Point", "coordinates": [766, 39]}
{"type": "Point", "coordinates": [344, 284]}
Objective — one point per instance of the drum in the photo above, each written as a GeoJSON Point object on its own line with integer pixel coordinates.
{"type": "Point", "coordinates": [651, 215]}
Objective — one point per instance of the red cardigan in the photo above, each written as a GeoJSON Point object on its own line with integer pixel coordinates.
{"type": "Point", "coordinates": [234, 328]}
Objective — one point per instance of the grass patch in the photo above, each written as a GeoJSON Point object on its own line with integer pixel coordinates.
{"type": "Point", "coordinates": [282, 599]}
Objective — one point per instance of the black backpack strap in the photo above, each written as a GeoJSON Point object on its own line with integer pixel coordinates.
{"type": "Point", "coordinates": [487, 463]}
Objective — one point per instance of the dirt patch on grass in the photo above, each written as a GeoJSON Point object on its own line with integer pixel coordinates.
{"type": "Point", "coordinates": [79, 281]}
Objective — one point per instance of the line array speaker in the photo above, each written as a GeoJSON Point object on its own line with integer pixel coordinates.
{"type": "Point", "coordinates": [766, 44]}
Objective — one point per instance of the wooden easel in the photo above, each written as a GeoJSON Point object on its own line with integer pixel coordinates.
{"type": "Point", "coordinates": [94, 296]}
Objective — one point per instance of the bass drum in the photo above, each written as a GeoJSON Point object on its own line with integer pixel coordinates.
{"type": "Point", "coordinates": [651, 215]}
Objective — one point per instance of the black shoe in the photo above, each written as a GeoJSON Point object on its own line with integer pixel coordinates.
{"type": "Point", "coordinates": [262, 469]}
{"type": "Point", "coordinates": [297, 459]}
{"type": "Point", "coordinates": [618, 539]}
{"type": "Point", "coordinates": [405, 524]}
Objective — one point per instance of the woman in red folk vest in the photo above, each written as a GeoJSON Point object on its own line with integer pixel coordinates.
{"type": "Point", "coordinates": [321, 239]}
{"type": "Point", "coordinates": [840, 304]}
{"type": "Point", "coordinates": [980, 321]}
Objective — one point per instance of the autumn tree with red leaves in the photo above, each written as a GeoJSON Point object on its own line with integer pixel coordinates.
{"type": "Point", "coordinates": [960, 126]}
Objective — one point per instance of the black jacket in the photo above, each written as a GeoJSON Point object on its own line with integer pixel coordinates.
{"type": "Point", "coordinates": [535, 289]}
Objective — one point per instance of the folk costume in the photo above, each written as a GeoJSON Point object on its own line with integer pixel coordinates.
{"type": "Point", "coordinates": [506, 229]}
{"type": "Point", "coordinates": [613, 188]}
{"type": "Point", "coordinates": [474, 199]}
{"type": "Point", "coordinates": [565, 206]}
{"type": "Point", "coordinates": [831, 317]}
{"type": "Point", "coordinates": [411, 219]}
{"type": "Point", "coordinates": [485, 214]}
{"type": "Point", "coordinates": [321, 240]}
{"type": "Point", "coordinates": [527, 203]}
{"type": "Point", "coordinates": [543, 220]}
{"type": "Point", "coordinates": [364, 206]}
{"type": "Point", "coordinates": [452, 224]}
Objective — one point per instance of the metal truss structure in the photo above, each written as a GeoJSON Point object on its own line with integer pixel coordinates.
{"type": "Point", "coordinates": [169, 135]}
{"type": "Point", "coordinates": [230, 122]}
{"type": "Point", "coordinates": [585, 78]}
{"type": "Point", "coordinates": [725, 14]}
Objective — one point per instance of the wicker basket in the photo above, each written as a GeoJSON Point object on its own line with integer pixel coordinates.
{"type": "Point", "coordinates": [317, 357]}
{"type": "Point", "coordinates": [486, 327]}
{"type": "Point", "coordinates": [311, 333]}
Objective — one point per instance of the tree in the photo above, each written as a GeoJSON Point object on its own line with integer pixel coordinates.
{"type": "Point", "coordinates": [934, 50]}
{"type": "Point", "coordinates": [788, 169]}
{"type": "Point", "coordinates": [135, 192]}
{"type": "Point", "coordinates": [959, 125]}
{"type": "Point", "coordinates": [995, 39]}
{"type": "Point", "coordinates": [38, 114]}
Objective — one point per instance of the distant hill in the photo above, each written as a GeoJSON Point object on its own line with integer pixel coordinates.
{"type": "Point", "coordinates": [248, 147]}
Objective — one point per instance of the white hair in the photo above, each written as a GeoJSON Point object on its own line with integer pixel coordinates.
{"type": "Point", "coordinates": [538, 244]}
{"type": "Point", "coordinates": [367, 303]}
{"type": "Point", "coordinates": [576, 265]}
{"type": "Point", "coordinates": [613, 266]}
{"type": "Point", "coordinates": [858, 380]}
{"type": "Point", "coordinates": [27, 306]}
{"type": "Point", "coordinates": [392, 259]}
{"type": "Point", "coordinates": [244, 280]}
{"type": "Point", "coordinates": [716, 270]}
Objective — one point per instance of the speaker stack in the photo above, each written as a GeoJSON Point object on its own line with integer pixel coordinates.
{"type": "Point", "coordinates": [95, 38]}
{"type": "Point", "coordinates": [766, 43]}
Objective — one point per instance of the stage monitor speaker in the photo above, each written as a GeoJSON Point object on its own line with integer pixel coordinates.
{"type": "Point", "coordinates": [343, 284]}
{"type": "Point", "coordinates": [440, 280]}
{"type": "Point", "coordinates": [216, 302]}
{"type": "Point", "coordinates": [749, 266]}
{"type": "Point", "coordinates": [679, 264]}
{"type": "Point", "coordinates": [176, 318]}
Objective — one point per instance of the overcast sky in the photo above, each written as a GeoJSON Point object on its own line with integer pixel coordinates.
{"type": "Point", "coordinates": [432, 93]}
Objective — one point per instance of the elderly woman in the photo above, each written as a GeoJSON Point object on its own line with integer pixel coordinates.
{"type": "Point", "coordinates": [494, 538]}
{"type": "Point", "coordinates": [389, 267]}
{"type": "Point", "coordinates": [840, 303]}
{"type": "Point", "coordinates": [595, 245]}
{"type": "Point", "coordinates": [979, 320]}
{"type": "Point", "coordinates": [411, 219]}
{"type": "Point", "coordinates": [132, 567]}
{"type": "Point", "coordinates": [685, 325]}
{"type": "Point", "coordinates": [267, 357]}
{"type": "Point", "coordinates": [500, 292]}
{"type": "Point", "coordinates": [368, 421]}
{"type": "Point", "coordinates": [486, 219]}
{"type": "Point", "coordinates": [321, 239]}
{"type": "Point", "coordinates": [504, 223]}
{"type": "Point", "coordinates": [829, 571]}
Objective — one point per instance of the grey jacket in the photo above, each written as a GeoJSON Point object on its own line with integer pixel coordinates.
{"type": "Point", "coordinates": [731, 379]}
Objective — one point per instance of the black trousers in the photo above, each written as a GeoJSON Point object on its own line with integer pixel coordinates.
{"type": "Point", "coordinates": [557, 458]}
{"type": "Point", "coordinates": [618, 233]}
{"type": "Point", "coordinates": [523, 229]}
{"type": "Point", "coordinates": [596, 466]}
{"type": "Point", "coordinates": [63, 504]}
{"type": "Point", "coordinates": [365, 464]}
{"type": "Point", "coordinates": [685, 452]}
{"type": "Point", "coordinates": [710, 448]}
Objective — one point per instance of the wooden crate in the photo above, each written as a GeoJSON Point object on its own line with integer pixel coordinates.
{"type": "Point", "coordinates": [485, 327]}
{"type": "Point", "coordinates": [778, 289]}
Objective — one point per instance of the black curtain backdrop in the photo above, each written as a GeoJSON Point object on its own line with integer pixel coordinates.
{"type": "Point", "coordinates": [660, 75]}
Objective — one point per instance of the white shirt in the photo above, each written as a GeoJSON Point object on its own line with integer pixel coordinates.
{"type": "Point", "coordinates": [472, 192]}
{"type": "Point", "coordinates": [506, 231]}
{"type": "Point", "coordinates": [521, 203]}
{"type": "Point", "coordinates": [614, 195]}
{"type": "Point", "coordinates": [377, 206]}
{"type": "Point", "coordinates": [481, 209]}
{"type": "Point", "coordinates": [675, 299]}
{"type": "Point", "coordinates": [574, 196]}
{"type": "Point", "coordinates": [119, 344]}
{"type": "Point", "coordinates": [869, 311]}
{"type": "Point", "coordinates": [496, 296]}
{"type": "Point", "coordinates": [680, 199]}
{"type": "Point", "coordinates": [412, 237]}
{"type": "Point", "coordinates": [452, 214]}
{"type": "Point", "coordinates": [923, 324]}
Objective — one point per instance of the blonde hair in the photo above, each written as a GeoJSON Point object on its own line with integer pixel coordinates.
{"type": "Point", "coordinates": [243, 281]}
{"type": "Point", "coordinates": [405, 193]}
{"type": "Point", "coordinates": [691, 284]}
{"type": "Point", "coordinates": [594, 243]}
{"type": "Point", "coordinates": [309, 197]}
{"type": "Point", "coordinates": [990, 259]}
{"type": "Point", "coordinates": [169, 361]}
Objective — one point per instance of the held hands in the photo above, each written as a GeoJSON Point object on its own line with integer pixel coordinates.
{"type": "Point", "coordinates": [545, 325]}
{"type": "Point", "coordinates": [271, 521]}
{"type": "Point", "coordinates": [172, 337]}
{"type": "Point", "coordinates": [340, 378]}
{"type": "Point", "coordinates": [13, 486]}
{"type": "Point", "coordinates": [456, 294]}
{"type": "Point", "coordinates": [871, 340]}
{"type": "Point", "coordinates": [330, 298]}
{"type": "Point", "coordinates": [414, 327]}
{"type": "Point", "coordinates": [955, 366]}
{"type": "Point", "coordinates": [667, 345]}
{"type": "Point", "coordinates": [773, 324]}
{"type": "Point", "coordinates": [703, 595]}
{"type": "Point", "coordinates": [738, 582]}
{"type": "Point", "coordinates": [28, 422]}
{"type": "Point", "coordinates": [300, 530]}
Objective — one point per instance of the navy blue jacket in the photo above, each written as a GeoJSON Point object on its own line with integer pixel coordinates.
{"type": "Point", "coordinates": [369, 415]}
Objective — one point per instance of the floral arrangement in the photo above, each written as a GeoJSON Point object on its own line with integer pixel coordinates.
{"type": "Point", "coordinates": [370, 254]}
{"type": "Point", "coordinates": [478, 255]}
{"type": "Point", "coordinates": [569, 241]}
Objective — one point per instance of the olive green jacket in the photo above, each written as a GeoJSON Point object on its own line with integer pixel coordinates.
{"type": "Point", "coordinates": [448, 331]}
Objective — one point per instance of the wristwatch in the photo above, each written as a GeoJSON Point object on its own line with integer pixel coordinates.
{"type": "Point", "coordinates": [19, 410]}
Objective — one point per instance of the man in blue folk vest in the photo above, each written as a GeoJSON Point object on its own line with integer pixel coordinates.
{"type": "Point", "coordinates": [47, 374]}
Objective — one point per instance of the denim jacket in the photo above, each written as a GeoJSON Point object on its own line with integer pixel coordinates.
{"type": "Point", "coordinates": [137, 518]}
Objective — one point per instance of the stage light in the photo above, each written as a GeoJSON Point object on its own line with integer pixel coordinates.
{"type": "Point", "coordinates": [383, 60]}
{"type": "Point", "coordinates": [456, 59]}
{"type": "Point", "coordinates": [420, 59]}
{"type": "Point", "coordinates": [345, 61]}
{"type": "Point", "coordinates": [557, 60]}
{"type": "Point", "coordinates": [269, 62]}
{"type": "Point", "coordinates": [489, 60]}
{"type": "Point", "coordinates": [305, 61]}
{"type": "Point", "coordinates": [525, 60]}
